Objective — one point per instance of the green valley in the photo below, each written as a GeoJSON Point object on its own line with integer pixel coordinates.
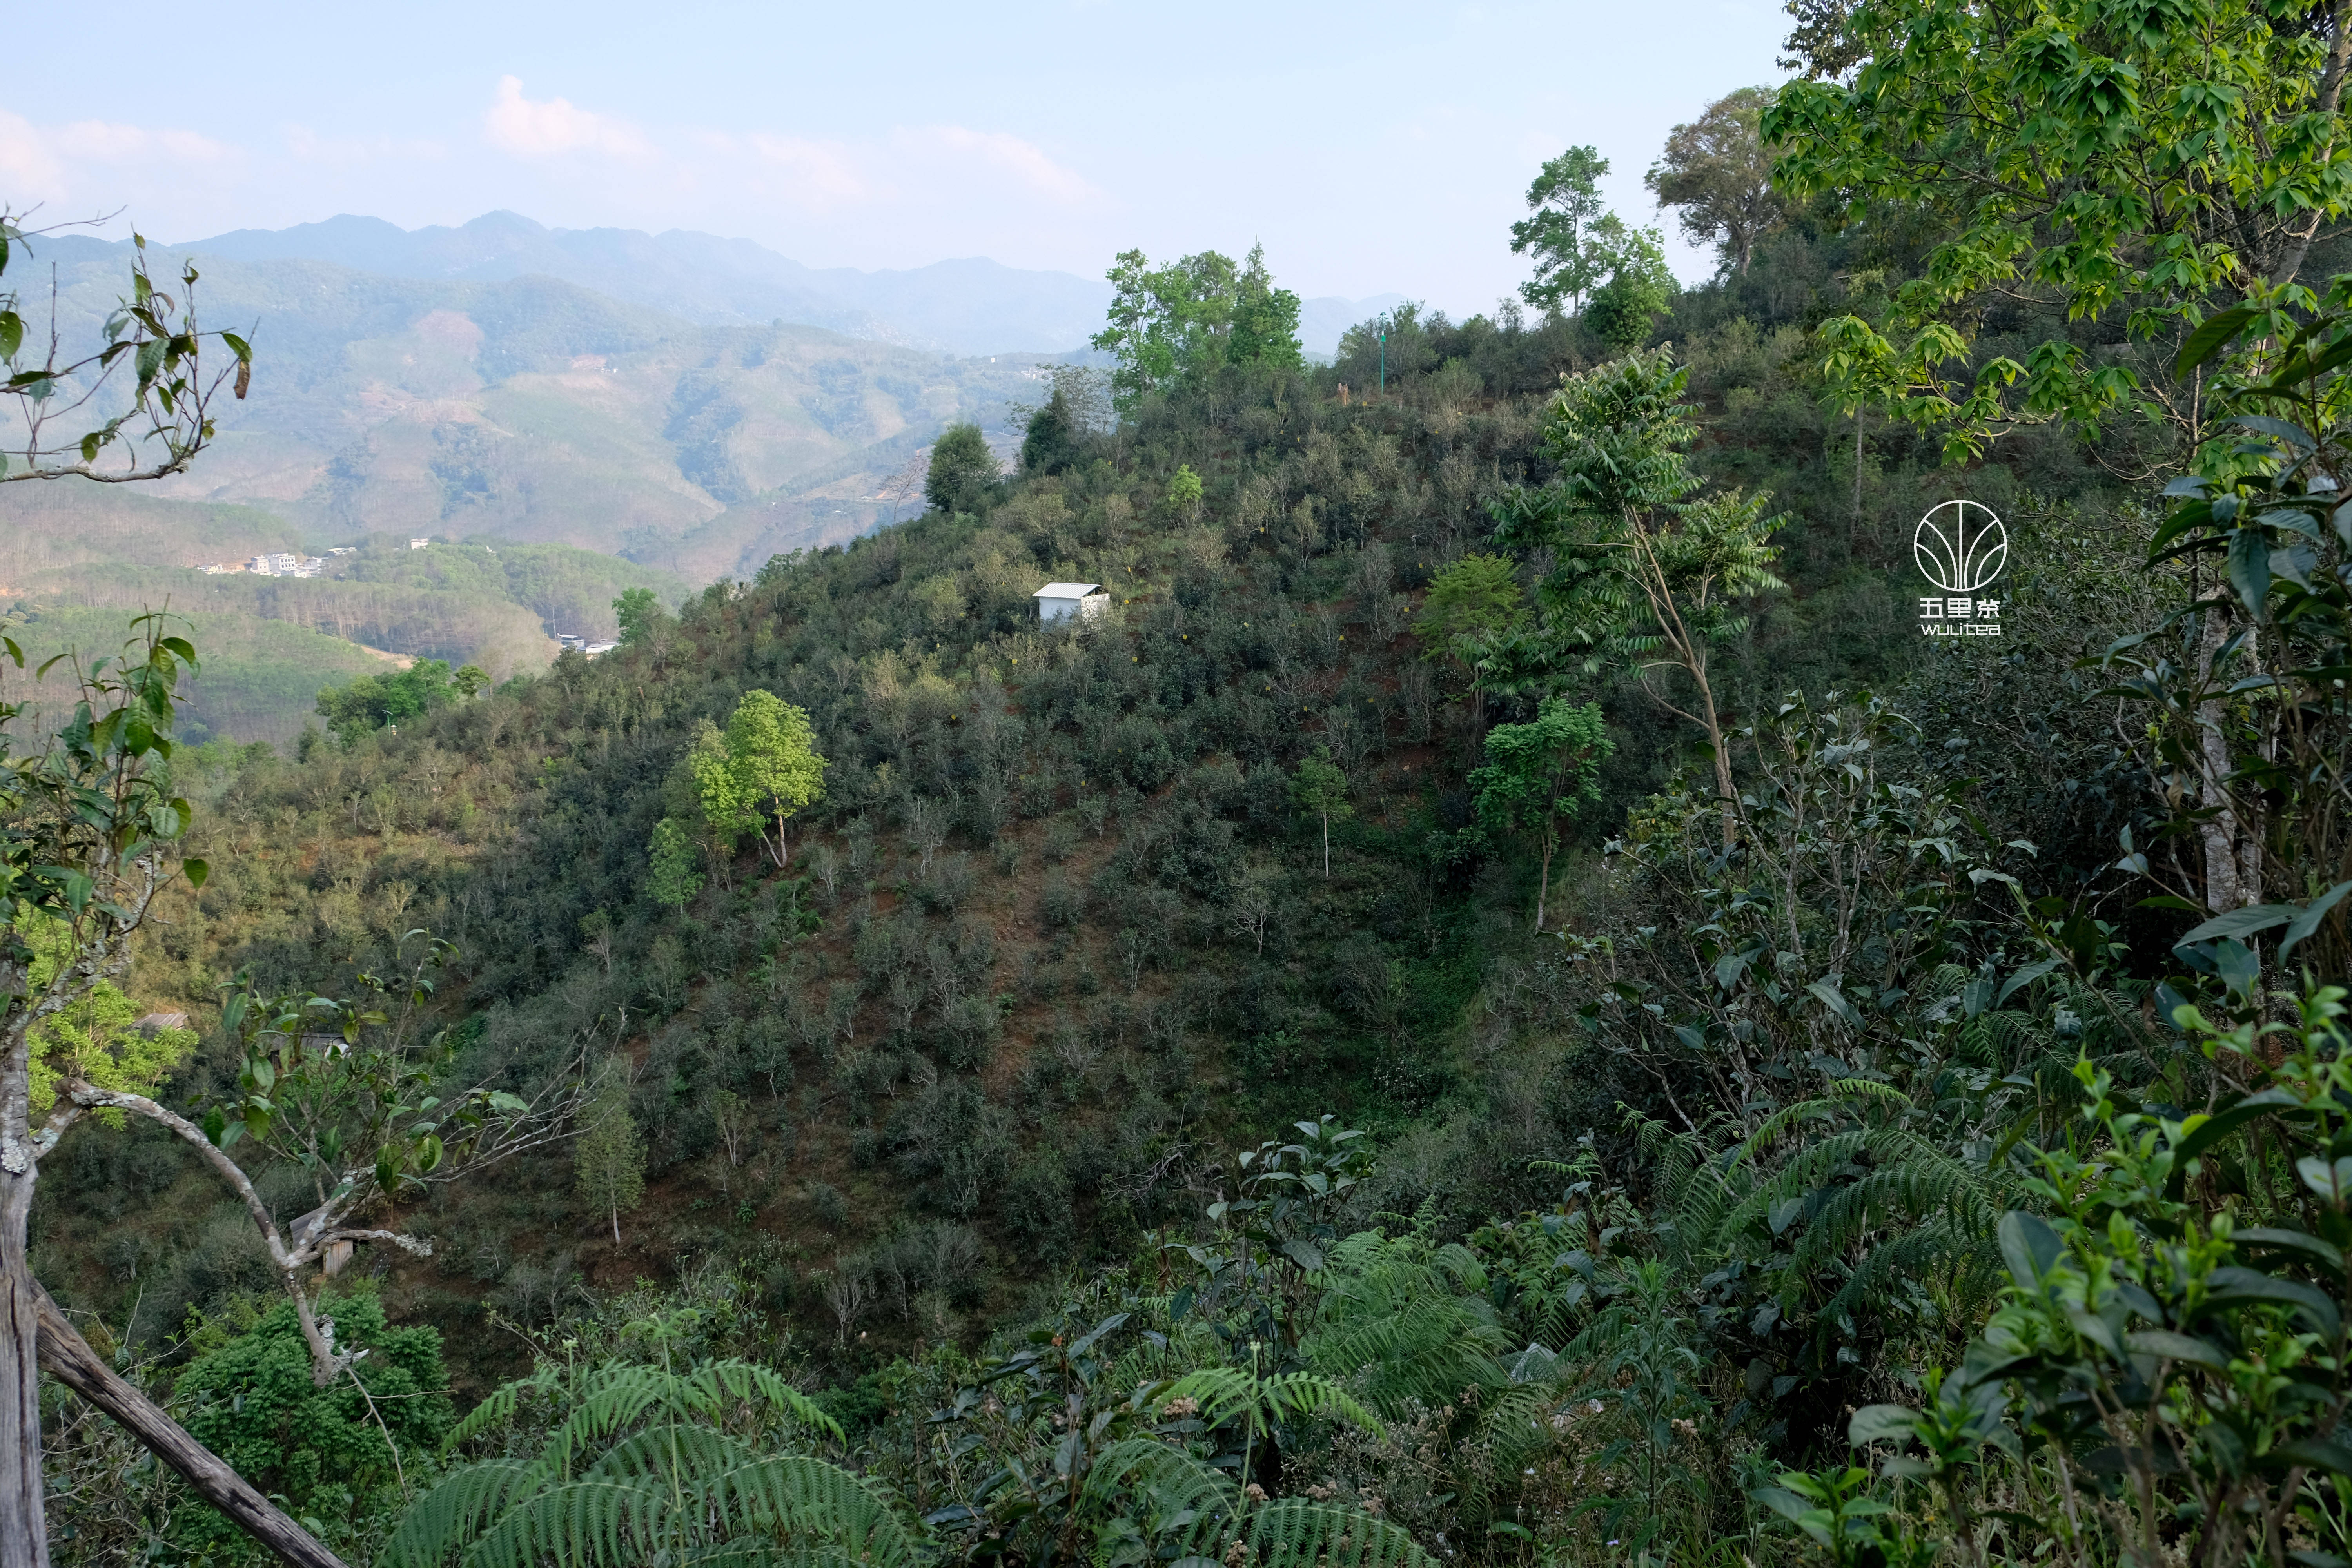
{"type": "Point", "coordinates": [1669, 925]}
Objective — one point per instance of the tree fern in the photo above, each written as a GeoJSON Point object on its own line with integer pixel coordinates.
{"type": "Point", "coordinates": [1191, 1510]}
{"type": "Point", "coordinates": [640, 1467]}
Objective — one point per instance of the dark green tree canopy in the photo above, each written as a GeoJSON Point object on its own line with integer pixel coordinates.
{"type": "Point", "coordinates": [373, 701]}
{"type": "Point", "coordinates": [963, 469]}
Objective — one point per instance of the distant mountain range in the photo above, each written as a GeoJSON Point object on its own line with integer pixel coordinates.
{"type": "Point", "coordinates": [972, 306]}
{"type": "Point", "coordinates": [691, 405]}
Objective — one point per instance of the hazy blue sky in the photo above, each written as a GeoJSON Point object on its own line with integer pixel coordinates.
{"type": "Point", "coordinates": [1374, 146]}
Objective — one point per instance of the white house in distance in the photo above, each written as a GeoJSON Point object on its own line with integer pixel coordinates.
{"type": "Point", "coordinates": [1070, 601]}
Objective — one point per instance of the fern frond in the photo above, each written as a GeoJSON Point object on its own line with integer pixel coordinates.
{"type": "Point", "coordinates": [752, 1382]}
{"type": "Point", "coordinates": [1288, 1533]}
{"type": "Point", "coordinates": [599, 1523]}
{"type": "Point", "coordinates": [500, 1407]}
{"type": "Point", "coordinates": [1192, 1498]}
{"type": "Point", "coordinates": [1427, 1349]}
{"type": "Point", "coordinates": [460, 1507]}
{"type": "Point", "coordinates": [1308, 1395]}
{"type": "Point", "coordinates": [809, 1498]}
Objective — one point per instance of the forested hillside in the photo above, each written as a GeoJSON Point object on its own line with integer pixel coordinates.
{"type": "Point", "coordinates": [1499, 1002]}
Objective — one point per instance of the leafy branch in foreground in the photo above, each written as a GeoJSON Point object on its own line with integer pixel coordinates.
{"type": "Point", "coordinates": [171, 394]}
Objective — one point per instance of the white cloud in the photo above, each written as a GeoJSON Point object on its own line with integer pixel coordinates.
{"type": "Point", "coordinates": [101, 159]}
{"type": "Point", "coordinates": [1025, 160]}
{"type": "Point", "coordinates": [516, 124]}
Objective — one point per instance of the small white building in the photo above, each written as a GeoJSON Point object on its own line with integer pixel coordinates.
{"type": "Point", "coordinates": [420, 544]}
{"type": "Point", "coordinates": [1068, 601]}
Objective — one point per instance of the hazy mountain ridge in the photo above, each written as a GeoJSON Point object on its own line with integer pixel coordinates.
{"type": "Point", "coordinates": [970, 305]}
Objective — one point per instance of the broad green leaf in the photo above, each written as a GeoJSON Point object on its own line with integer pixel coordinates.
{"type": "Point", "coordinates": [2209, 338]}
{"type": "Point", "coordinates": [2250, 568]}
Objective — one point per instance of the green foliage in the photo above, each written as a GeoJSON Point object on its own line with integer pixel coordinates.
{"type": "Point", "coordinates": [622, 1464]}
{"type": "Point", "coordinates": [1622, 311]}
{"type": "Point", "coordinates": [640, 615]}
{"type": "Point", "coordinates": [963, 470]}
{"type": "Point", "coordinates": [91, 1039]}
{"type": "Point", "coordinates": [373, 701]}
{"type": "Point", "coordinates": [164, 415]}
{"type": "Point", "coordinates": [1643, 575]}
{"type": "Point", "coordinates": [1564, 203]}
{"type": "Point", "coordinates": [674, 874]}
{"type": "Point", "coordinates": [350, 1453]}
{"type": "Point", "coordinates": [2261, 513]}
{"type": "Point", "coordinates": [2182, 156]}
{"type": "Point", "coordinates": [1171, 326]}
{"type": "Point", "coordinates": [2193, 1359]}
{"type": "Point", "coordinates": [1184, 490]}
{"type": "Point", "coordinates": [1537, 774]}
{"type": "Point", "coordinates": [1321, 791]}
{"type": "Point", "coordinates": [1719, 170]}
{"type": "Point", "coordinates": [609, 1160]}
{"type": "Point", "coordinates": [771, 765]}
{"type": "Point", "coordinates": [1471, 606]}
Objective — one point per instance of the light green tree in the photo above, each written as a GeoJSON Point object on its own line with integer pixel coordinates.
{"type": "Point", "coordinates": [1539, 774]}
{"type": "Point", "coordinates": [1174, 324]}
{"type": "Point", "coordinates": [471, 681]}
{"type": "Point", "coordinates": [1321, 791]}
{"type": "Point", "coordinates": [609, 1160]}
{"type": "Point", "coordinates": [1184, 491]}
{"type": "Point", "coordinates": [675, 872]}
{"type": "Point", "coordinates": [1473, 611]}
{"type": "Point", "coordinates": [773, 767]}
{"type": "Point", "coordinates": [1640, 284]}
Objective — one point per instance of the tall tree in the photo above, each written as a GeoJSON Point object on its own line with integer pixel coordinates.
{"type": "Point", "coordinates": [640, 615]}
{"type": "Point", "coordinates": [1717, 169]}
{"type": "Point", "coordinates": [1321, 791]}
{"type": "Point", "coordinates": [609, 1162]}
{"type": "Point", "coordinates": [1646, 571]}
{"type": "Point", "coordinates": [1622, 311]}
{"type": "Point", "coordinates": [1537, 774]}
{"type": "Point", "coordinates": [1563, 203]}
{"type": "Point", "coordinates": [1474, 607]}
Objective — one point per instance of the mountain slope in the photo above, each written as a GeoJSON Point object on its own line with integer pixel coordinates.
{"type": "Point", "coordinates": [539, 410]}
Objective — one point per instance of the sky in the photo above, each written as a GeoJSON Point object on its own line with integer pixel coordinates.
{"type": "Point", "coordinates": [1372, 148]}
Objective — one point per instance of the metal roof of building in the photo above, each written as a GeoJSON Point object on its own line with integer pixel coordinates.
{"type": "Point", "coordinates": [1066, 590]}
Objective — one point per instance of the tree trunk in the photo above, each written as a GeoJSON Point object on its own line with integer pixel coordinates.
{"type": "Point", "coordinates": [2218, 833]}
{"type": "Point", "coordinates": [1543, 887]}
{"type": "Point", "coordinates": [1326, 845]}
{"type": "Point", "coordinates": [69, 1360]}
{"type": "Point", "coordinates": [23, 1537]}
